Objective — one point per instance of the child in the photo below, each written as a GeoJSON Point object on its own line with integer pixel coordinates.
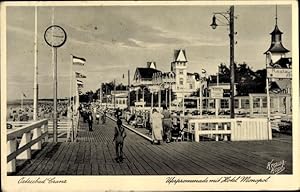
{"type": "Point", "coordinates": [90, 120]}
{"type": "Point", "coordinates": [119, 137]}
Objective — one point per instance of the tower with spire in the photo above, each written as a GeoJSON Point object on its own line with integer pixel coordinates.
{"type": "Point", "coordinates": [276, 50]}
{"type": "Point", "coordinates": [179, 68]}
{"type": "Point", "coordinates": [278, 82]}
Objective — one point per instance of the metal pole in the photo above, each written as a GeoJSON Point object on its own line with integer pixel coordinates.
{"type": "Point", "coordinates": [73, 105]}
{"type": "Point", "coordinates": [232, 69]}
{"type": "Point", "coordinates": [268, 102]}
{"type": "Point", "coordinates": [200, 95]}
{"type": "Point", "coordinates": [143, 94]}
{"type": "Point", "coordinates": [100, 92]}
{"type": "Point", "coordinates": [137, 95]}
{"type": "Point", "coordinates": [54, 50]}
{"type": "Point", "coordinates": [159, 98]}
{"type": "Point", "coordinates": [22, 98]}
{"type": "Point", "coordinates": [35, 88]}
{"type": "Point", "coordinates": [166, 90]}
{"type": "Point", "coordinates": [71, 94]}
{"type": "Point", "coordinates": [170, 97]}
{"type": "Point", "coordinates": [114, 93]}
{"type": "Point", "coordinates": [151, 99]}
{"type": "Point", "coordinates": [128, 100]}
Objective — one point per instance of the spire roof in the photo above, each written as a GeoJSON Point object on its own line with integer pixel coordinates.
{"type": "Point", "coordinates": [276, 31]}
{"type": "Point", "coordinates": [179, 55]}
{"type": "Point", "coordinates": [151, 64]}
{"type": "Point", "coordinates": [276, 42]}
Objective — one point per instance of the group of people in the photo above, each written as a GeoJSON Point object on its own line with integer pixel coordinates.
{"type": "Point", "coordinates": [45, 110]}
{"type": "Point", "coordinates": [161, 124]}
{"type": "Point", "coordinates": [119, 132]}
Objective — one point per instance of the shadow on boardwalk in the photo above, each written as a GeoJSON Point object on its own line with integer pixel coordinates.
{"type": "Point", "coordinates": [94, 154]}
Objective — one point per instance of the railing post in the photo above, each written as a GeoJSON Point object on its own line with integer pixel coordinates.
{"type": "Point", "coordinates": [181, 121]}
{"type": "Point", "coordinates": [225, 136]}
{"type": "Point", "coordinates": [45, 127]}
{"type": "Point", "coordinates": [197, 131]}
{"type": "Point", "coordinates": [217, 128]}
{"type": "Point", "coordinates": [37, 132]}
{"type": "Point", "coordinates": [268, 125]}
{"type": "Point", "coordinates": [11, 147]}
{"type": "Point", "coordinates": [26, 138]}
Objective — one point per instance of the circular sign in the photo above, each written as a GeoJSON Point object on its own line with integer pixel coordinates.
{"type": "Point", "coordinates": [55, 36]}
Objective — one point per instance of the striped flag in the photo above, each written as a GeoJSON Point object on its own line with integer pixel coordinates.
{"type": "Point", "coordinates": [79, 83]}
{"type": "Point", "coordinates": [78, 60]}
{"type": "Point", "coordinates": [79, 75]}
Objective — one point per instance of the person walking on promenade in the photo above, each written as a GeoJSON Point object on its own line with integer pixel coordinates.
{"type": "Point", "coordinates": [119, 138]}
{"type": "Point", "coordinates": [167, 124]}
{"type": "Point", "coordinates": [156, 124]}
{"type": "Point", "coordinates": [104, 117]}
{"type": "Point", "coordinates": [97, 116]}
{"type": "Point", "coordinates": [90, 120]}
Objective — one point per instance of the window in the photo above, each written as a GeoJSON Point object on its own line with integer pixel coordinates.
{"type": "Point", "coordinates": [211, 103]}
{"type": "Point", "coordinates": [191, 86]}
{"type": "Point", "coordinates": [224, 103]}
{"type": "Point", "coordinates": [256, 102]}
{"type": "Point", "coordinates": [180, 72]}
{"type": "Point", "coordinates": [181, 81]}
{"type": "Point", "coordinates": [272, 102]}
{"type": "Point", "coordinates": [264, 102]}
{"type": "Point", "coordinates": [245, 104]}
{"type": "Point", "coordinates": [236, 103]}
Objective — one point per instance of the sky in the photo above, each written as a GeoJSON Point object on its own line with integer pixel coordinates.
{"type": "Point", "coordinates": [115, 39]}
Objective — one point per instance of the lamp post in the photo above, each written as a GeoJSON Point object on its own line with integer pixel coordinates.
{"type": "Point", "coordinates": [229, 16]}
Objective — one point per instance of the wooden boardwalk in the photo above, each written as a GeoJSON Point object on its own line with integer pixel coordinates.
{"type": "Point", "coordinates": [94, 154]}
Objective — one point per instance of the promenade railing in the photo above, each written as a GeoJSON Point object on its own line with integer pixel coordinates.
{"type": "Point", "coordinates": [239, 129]}
{"type": "Point", "coordinates": [24, 138]}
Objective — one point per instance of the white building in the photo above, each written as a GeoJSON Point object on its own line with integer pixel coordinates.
{"type": "Point", "coordinates": [185, 83]}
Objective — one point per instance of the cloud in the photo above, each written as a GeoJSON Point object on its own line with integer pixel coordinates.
{"type": "Point", "coordinates": [11, 28]}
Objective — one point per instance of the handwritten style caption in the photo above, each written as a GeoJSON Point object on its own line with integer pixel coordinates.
{"type": "Point", "coordinates": [224, 179]}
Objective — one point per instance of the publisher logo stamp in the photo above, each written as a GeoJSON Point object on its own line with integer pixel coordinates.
{"type": "Point", "coordinates": [276, 167]}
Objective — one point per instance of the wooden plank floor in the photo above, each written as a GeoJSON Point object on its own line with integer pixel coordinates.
{"type": "Point", "coordinates": [94, 154]}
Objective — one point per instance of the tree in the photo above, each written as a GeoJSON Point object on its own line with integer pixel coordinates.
{"type": "Point", "coordinates": [247, 81]}
{"type": "Point", "coordinates": [86, 97]}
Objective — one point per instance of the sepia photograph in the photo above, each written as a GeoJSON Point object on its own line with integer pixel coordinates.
{"type": "Point", "coordinates": [187, 93]}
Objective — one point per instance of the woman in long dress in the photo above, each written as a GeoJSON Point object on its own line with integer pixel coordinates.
{"type": "Point", "coordinates": [156, 121]}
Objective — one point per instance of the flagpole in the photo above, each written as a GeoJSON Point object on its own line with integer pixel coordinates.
{"type": "Point", "coordinates": [73, 105]}
{"type": "Point", "coordinates": [100, 96]}
{"type": "Point", "coordinates": [128, 95]}
{"type": "Point", "coordinates": [71, 69]}
{"type": "Point", "coordinates": [35, 88]}
{"type": "Point", "coordinates": [71, 93]}
{"type": "Point", "coordinates": [22, 100]}
{"type": "Point", "coordinates": [114, 93]}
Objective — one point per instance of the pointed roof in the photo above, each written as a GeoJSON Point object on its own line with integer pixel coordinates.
{"type": "Point", "coordinates": [151, 65]}
{"type": "Point", "coordinates": [276, 30]}
{"type": "Point", "coordinates": [276, 43]}
{"type": "Point", "coordinates": [179, 55]}
{"type": "Point", "coordinates": [277, 48]}
{"type": "Point", "coordinates": [146, 73]}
